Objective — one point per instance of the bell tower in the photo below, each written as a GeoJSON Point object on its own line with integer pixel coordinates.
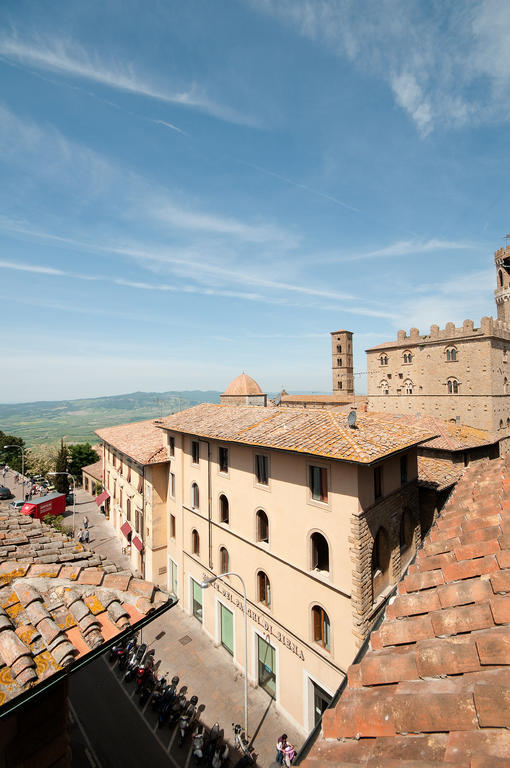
{"type": "Point", "coordinates": [342, 367]}
{"type": "Point", "coordinates": [502, 292]}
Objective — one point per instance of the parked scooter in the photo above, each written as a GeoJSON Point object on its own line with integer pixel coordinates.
{"type": "Point", "coordinates": [125, 656]}
{"type": "Point", "coordinates": [158, 691]}
{"type": "Point", "coordinates": [134, 661]}
{"type": "Point", "coordinates": [167, 700]}
{"type": "Point", "coordinates": [116, 649]}
{"type": "Point", "coordinates": [240, 740]}
{"type": "Point", "coordinates": [211, 742]}
{"type": "Point", "coordinates": [187, 718]}
{"type": "Point", "coordinates": [220, 755]}
{"type": "Point", "coordinates": [145, 667]}
{"type": "Point", "coordinates": [177, 708]}
{"type": "Point", "coordinates": [146, 688]}
{"type": "Point", "coordinates": [197, 743]}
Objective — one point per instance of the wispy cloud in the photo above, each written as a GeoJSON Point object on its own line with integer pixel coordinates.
{"type": "Point", "coordinates": [402, 248]}
{"type": "Point", "coordinates": [68, 58]}
{"type": "Point", "coordinates": [438, 59]}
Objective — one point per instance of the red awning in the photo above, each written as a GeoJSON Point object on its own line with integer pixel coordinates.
{"type": "Point", "coordinates": [137, 543]}
{"type": "Point", "coordinates": [102, 497]}
{"type": "Point", "coordinates": [126, 528]}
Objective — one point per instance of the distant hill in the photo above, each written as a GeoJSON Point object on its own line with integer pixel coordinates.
{"type": "Point", "coordinates": [76, 420]}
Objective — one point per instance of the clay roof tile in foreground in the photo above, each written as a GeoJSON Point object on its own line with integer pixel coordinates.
{"type": "Point", "coordinates": [438, 474]}
{"type": "Point", "coordinates": [141, 440]}
{"type": "Point", "coordinates": [434, 688]}
{"type": "Point", "coordinates": [450, 436]}
{"type": "Point", "coordinates": [58, 602]}
{"type": "Point", "coordinates": [316, 431]}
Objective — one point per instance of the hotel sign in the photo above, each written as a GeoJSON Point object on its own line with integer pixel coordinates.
{"type": "Point", "coordinates": [261, 621]}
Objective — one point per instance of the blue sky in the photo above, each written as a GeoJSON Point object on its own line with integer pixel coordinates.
{"type": "Point", "coordinates": [190, 190]}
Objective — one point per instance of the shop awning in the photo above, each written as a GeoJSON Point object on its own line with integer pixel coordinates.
{"type": "Point", "coordinates": [101, 498]}
{"type": "Point", "coordinates": [126, 529]}
{"type": "Point", "coordinates": [137, 543]}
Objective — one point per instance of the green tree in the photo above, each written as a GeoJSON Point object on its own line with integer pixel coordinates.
{"type": "Point", "coordinates": [61, 482]}
{"type": "Point", "coordinates": [80, 455]}
{"type": "Point", "coordinates": [41, 459]}
{"type": "Point", "coordinates": [11, 456]}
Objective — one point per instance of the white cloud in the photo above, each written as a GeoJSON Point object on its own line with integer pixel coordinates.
{"type": "Point", "coordinates": [68, 58]}
{"type": "Point", "coordinates": [447, 64]}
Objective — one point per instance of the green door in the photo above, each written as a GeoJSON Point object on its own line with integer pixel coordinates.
{"type": "Point", "coordinates": [267, 664]}
{"type": "Point", "coordinates": [227, 629]}
{"type": "Point", "coordinates": [197, 600]}
{"type": "Point", "coordinates": [173, 578]}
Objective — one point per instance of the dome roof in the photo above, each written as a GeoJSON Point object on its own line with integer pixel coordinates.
{"type": "Point", "coordinates": [243, 385]}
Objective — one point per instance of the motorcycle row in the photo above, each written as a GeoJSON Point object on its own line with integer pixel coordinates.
{"type": "Point", "coordinates": [136, 661]}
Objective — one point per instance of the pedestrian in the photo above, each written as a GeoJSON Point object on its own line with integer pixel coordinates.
{"type": "Point", "coordinates": [80, 535]}
{"type": "Point", "coordinates": [87, 535]}
{"type": "Point", "coordinates": [85, 522]}
{"type": "Point", "coordinates": [280, 747]}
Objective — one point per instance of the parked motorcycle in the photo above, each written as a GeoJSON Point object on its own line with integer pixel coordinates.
{"type": "Point", "coordinates": [176, 710]}
{"type": "Point", "coordinates": [116, 649]}
{"type": "Point", "coordinates": [145, 667]}
{"type": "Point", "coordinates": [167, 700]}
{"type": "Point", "coordinates": [146, 688]}
{"type": "Point", "coordinates": [124, 657]}
{"type": "Point", "coordinates": [197, 743]}
{"type": "Point", "coordinates": [134, 661]}
{"type": "Point", "coordinates": [220, 755]}
{"type": "Point", "coordinates": [187, 718]}
{"type": "Point", "coordinates": [157, 693]}
{"type": "Point", "coordinates": [211, 742]}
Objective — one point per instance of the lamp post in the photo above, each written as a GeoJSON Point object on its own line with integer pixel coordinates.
{"type": "Point", "coordinates": [204, 584]}
{"type": "Point", "coordinates": [22, 463]}
{"type": "Point", "coordinates": [74, 490]}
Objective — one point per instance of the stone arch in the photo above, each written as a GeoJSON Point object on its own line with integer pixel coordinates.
{"type": "Point", "coordinates": [381, 562]}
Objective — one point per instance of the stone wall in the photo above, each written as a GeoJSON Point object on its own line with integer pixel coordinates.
{"type": "Point", "coordinates": [364, 528]}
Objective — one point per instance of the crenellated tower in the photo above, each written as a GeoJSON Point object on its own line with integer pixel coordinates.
{"type": "Point", "coordinates": [342, 366]}
{"type": "Point", "coordinates": [502, 292]}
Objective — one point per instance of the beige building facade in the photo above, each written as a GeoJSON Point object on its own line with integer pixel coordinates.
{"type": "Point", "coordinates": [135, 477]}
{"type": "Point", "coordinates": [318, 540]}
{"type": "Point", "coordinates": [459, 374]}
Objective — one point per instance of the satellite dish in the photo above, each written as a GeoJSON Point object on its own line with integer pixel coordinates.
{"type": "Point", "coordinates": [351, 419]}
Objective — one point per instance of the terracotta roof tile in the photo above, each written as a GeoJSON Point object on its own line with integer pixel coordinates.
{"type": "Point", "coordinates": [321, 432]}
{"type": "Point", "coordinates": [454, 684]}
{"type": "Point", "coordinates": [95, 470]}
{"type": "Point", "coordinates": [51, 613]}
{"type": "Point", "coordinates": [438, 473]}
{"type": "Point", "coordinates": [141, 440]}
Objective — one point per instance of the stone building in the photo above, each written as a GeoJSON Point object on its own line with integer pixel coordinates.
{"type": "Point", "coordinates": [318, 518]}
{"type": "Point", "coordinates": [342, 365]}
{"type": "Point", "coordinates": [135, 483]}
{"type": "Point", "coordinates": [459, 374]}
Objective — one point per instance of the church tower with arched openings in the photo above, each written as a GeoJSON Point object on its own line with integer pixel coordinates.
{"type": "Point", "coordinates": [502, 292]}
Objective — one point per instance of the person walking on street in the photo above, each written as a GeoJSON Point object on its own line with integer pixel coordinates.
{"type": "Point", "coordinates": [87, 535]}
{"type": "Point", "coordinates": [280, 747]}
{"type": "Point", "coordinates": [85, 522]}
{"type": "Point", "coordinates": [80, 535]}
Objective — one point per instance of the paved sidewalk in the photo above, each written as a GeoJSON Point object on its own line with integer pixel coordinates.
{"type": "Point", "coordinates": [204, 667]}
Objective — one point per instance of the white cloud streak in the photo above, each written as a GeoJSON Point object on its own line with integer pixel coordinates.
{"type": "Point", "coordinates": [68, 58]}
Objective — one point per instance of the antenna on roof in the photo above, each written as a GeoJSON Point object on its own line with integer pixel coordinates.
{"type": "Point", "coordinates": [351, 419]}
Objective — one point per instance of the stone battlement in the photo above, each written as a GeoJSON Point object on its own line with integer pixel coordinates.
{"type": "Point", "coordinates": [488, 327]}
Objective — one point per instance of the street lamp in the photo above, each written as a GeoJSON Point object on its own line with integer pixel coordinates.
{"type": "Point", "coordinates": [74, 490]}
{"type": "Point", "coordinates": [204, 584]}
{"type": "Point", "coordinates": [22, 463]}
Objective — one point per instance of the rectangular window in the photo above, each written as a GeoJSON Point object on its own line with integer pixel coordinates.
{"type": "Point", "coordinates": [227, 629]}
{"type": "Point", "coordinates": [377, 482]}
{"type": "Point", "coordinates": [171, 446]}
{"type": "Point", "coordinates": [173, 578]}
{"type": "Point", "coordinates": [223, 459]}
{"type": "Point", "coordinates": [319, 483]}
{"type": "Point", "coordinates": [129, 475]}
{"type": "Point", "coordinates": [197, 600]}
{"type": "Point", "coordinates": [262, 469]}
{"type": "Point", "coordinates": [120, 497]}
{"type": "Point", "coordinates": [403, 470]}
{"type": "Point", "coordinates": [128, 509]}
{"type": "Point", "coordinates": [140, 483]}
{"type": "Point", "coordinates": [172, 526]}
{"type": "Point", "coordinates": [195, 451]}
{"type": "Point", "coordinates": [172, 484]}
{"type": "Point", "coordinates": [266, 666]}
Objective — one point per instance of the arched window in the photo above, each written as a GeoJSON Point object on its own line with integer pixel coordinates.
{"type": "Point", "coordinates": [408, 357]}
{"type": "Point", "coordinates": [224, 512]}
{"type": "Point", "coordinates": [500, 278]}
{"type": "Point", "coordinates": [223, 560]}
{"type": "Point", "coordinates": [384, 387]}
{"type": "Point", "coordinates": [501, 423]}
{"type": "Point", "coordinates": [406, 537]}
{"type": "Point", "coordinates": [451, 354]}
{"type": "Point", "coordinates": [321, 627]}
{"type": "Point", "coordinates": [339, 349]}
{"type": "Point", "coordinates": [508, 422]}
{"type": "Point", "coordinates": [340, 385]}
{"type": "Point", "coordinates": [383, 359]}
{"type": "Point", "coordinates": [195, 542]}
{"type": "Point", "coordinates": [408, 387]}
{"type": "Point", "coordinates": [339, 361]}
{"type": "Point", "coordinates": [195, 496]}
{"type": "Point", "coordinates": [505, 386]}
{"type": "Point", "coordinates": [264, 588]}
{"type": "Point", "coordinates": [381, 554]}
{"type": "Point", "coordinates": [453, 387]}
{"type": "Point", "coordinates": [320, 552]}
{"type": "Point", "coordinates": [262, 526]}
